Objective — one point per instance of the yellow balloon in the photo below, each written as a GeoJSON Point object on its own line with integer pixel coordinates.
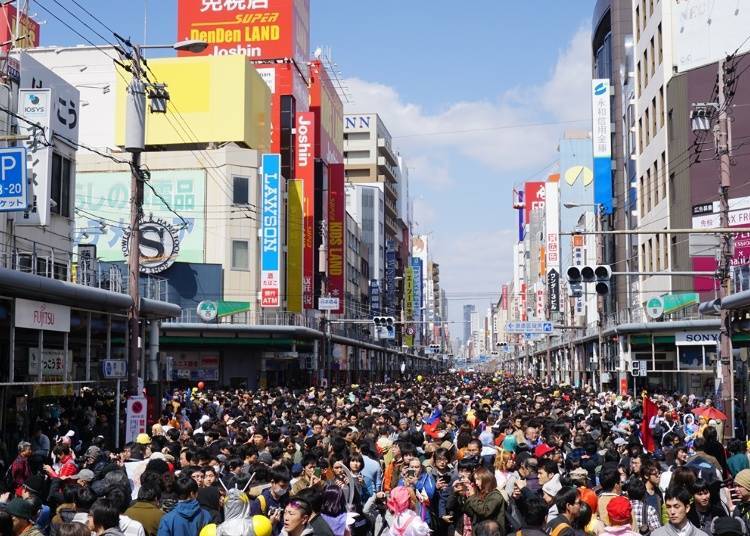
{"type": "Point", "coordinates": [261, 526]}
{"type": "Point", "coordinates": [419, 378]}
{"type": "Point", "coordinates": [208, 530]}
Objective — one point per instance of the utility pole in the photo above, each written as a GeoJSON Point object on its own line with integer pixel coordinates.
{"type": "Point", "coordinates": [599, 298]}
{"type": "Point", "coordinates": [722, 134]}
{"type": "Point", "coordinates": [135, 143]}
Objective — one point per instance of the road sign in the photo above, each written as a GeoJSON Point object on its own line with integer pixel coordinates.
{"type": "Point", "coordinates": [13, 180]}
{"type": "Point", "coordinates": [114, 368]}
{"type": "Point", "coordinates": [539, 327]}
{"type": "Point", "coordinates": [328, 303]}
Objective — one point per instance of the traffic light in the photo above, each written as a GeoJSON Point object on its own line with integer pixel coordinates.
{"type": "Point", "coordinates": [635, 368]}
{"type": "Point", "coordinates": [600, 275]}
{"type": "Point", "coordinates": [575, 279]}
{"type": "Point", "coordinates": [385, 327]}
{"type": "Point", "coordinates": [434, 348]}
{"type": "Point", "coordinates": [603, 274]}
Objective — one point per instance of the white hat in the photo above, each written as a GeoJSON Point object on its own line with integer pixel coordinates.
{"type": "Point", "coordinates": [553, 487]}
{"type": "Point", "coordinates": [620, 441]}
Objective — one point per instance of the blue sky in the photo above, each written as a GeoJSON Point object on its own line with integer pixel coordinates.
{"type": "Point", "coordinates": [432, 66]}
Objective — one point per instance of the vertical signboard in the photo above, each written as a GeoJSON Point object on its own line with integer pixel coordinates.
{"type": "Point", "coordinates": [409, 305]}
{"type": "Point", "coordinates": [135, 417]}
{"type": "Point", "coordinates": [534, 198]}
{"type": "Point", "coordinates": [374, 297]}
{"type": "Point", "coordinates": [295, 240]}
{"type": "Point", "coordinates": [305, 172]}
{"type": "Point", "coordinates": [552, 225]}
{"type": "Point", "coordinates": [336, 234]}
{"type": "Point", "coordinates": [504, 298]}
{"type": "Point", "coordinates": [553, 290]}
{"type": "Point", "coordinates": [270, 250]}
{"type": "Point", "coordinates": [416, 266]}
{"type": "Point", "coordinates": [602, 143]}
{"type": "Point", "coordinates": [390, 277]}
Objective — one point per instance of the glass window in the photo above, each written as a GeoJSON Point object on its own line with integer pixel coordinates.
{"type": "Point", "coordinates": [60, 186]}
{"type": "Point", "coordinates": [240, 255]}
{"type": "Point", "coordinates": [241, 190]}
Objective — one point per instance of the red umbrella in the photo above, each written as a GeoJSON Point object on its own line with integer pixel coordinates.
{"type": "Point", "coordinates": [710, 413]}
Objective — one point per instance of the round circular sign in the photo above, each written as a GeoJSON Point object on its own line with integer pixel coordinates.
{"type": "Point", "coordinates": [159, 245]}
{"type": "Point", "coordinates": [410, 330]}
{"type": "Point", "coordinates": [207, 310]}
{"type": "Point", "coordinates": [655, 307]}
{"type": "Point", "coordinates": [137, 407]}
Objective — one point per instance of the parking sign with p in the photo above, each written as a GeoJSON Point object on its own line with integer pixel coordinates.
{"type": "Point", "coordinates": [13, 185]}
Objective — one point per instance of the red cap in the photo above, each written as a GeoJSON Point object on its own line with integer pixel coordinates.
{"type": "Point", "coordinates": [588, 496]}
{"type": "Point", "coordinates": [619, 510]}
{"type": "Point", "coordinates": [542, 449]}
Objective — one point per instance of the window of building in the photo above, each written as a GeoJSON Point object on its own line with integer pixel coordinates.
{"type": "Point", "coordinates": [649, 188]}
{"type": "Point", "coordinates": [240, 190]}
{"type": "Point", "coordinates": [658, 253]}
{"type": "Point", "coordinates": [659, 42]}
{"type": "Point", "coordinates": [642, 260]}
{"type": "Point", "coordinates": [661, 107]}
{"type": "Point", "coordinates": [657, 184]}
{"type": "Point", "coordinates": [647, 128]}
{"type": "Point", "coordinates": [637, 23]}
{"type": "Point", "coordinates": [640, 136]}
{"type": "Point", "coordinates": [240, 255]}
{"type": "Point", "coordinates": [663, 176]}
{"type": "Point", "coordinates": [638, 77]}
{"type": "Point", "coordinates": [645, 69]}
{"type": "Point", "coordinates": [642, 196]}
{"type": "Point", "coordinates": [652, 53]}
{"type": "Point", "coordinates": [650, 8]}
{"type": "Point", "coordinates": [60, 186]}
{"type": "Point", "coordinates": [643, 13]}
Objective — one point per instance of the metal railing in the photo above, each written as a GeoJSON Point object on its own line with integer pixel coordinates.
{"type": "Point", "coordinates": [32, 257]}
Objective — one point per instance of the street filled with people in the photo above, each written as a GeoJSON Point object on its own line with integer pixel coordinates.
{"type": "Point", "coordinates": [463, 454]}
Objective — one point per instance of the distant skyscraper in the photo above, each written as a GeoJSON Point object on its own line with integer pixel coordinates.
{"type": "Point", "coordinates": [468, 309]}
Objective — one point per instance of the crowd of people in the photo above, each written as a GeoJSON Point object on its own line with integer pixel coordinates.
{"type": "Point", "coordinates": [459, 454]}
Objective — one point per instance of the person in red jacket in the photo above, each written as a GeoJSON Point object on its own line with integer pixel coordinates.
{"type": "Point", "coordinates": [68, 467]}
{"type": "Point", "coordinates": [19, 469]}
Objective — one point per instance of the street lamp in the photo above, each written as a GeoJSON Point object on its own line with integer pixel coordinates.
{"type": "Point", "coordinates": [194, 46]}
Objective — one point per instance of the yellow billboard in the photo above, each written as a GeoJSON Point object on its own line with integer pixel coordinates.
{"type": "Point", "coordinates": [294, 256]}
{"type": "Point", "coordinates": [213, 99]}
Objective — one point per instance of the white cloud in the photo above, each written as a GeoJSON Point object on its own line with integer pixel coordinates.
{"type": "Point", "coordinates": [563, 97]}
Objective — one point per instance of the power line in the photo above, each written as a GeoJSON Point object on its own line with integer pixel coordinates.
{"type": "Point", "coordinates": [110, 30]}
{"type": "Point", "coordinates": [488, 129]}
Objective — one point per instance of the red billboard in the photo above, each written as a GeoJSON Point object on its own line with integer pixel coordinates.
{"type": "Point", "coordinates": [534, 197]}
{"type": "Point", "coordinates": [325, 102]}
{"type": "Point", "coordinates": [305, 171]}
{"type": "Point", "coordinates": [259, 29]}
{"type": "Point", "coordinates": [28, 29]}
{"type": "Point", "coordinates": [336, 235]}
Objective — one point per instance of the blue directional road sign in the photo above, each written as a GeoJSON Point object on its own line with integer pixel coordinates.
{"type": "Point", "coordinates": [540, 327]}
{"type": "Point", "coordinates": [13, 180]}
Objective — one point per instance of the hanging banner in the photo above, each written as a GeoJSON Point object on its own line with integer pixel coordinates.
{"type": "Point", "coordinates": [552, 225]}
{"type": "Point", "coordinates": [305, 172]}
{"type": "Point", "coordinates": [270, 256]}
{"type": "Point", "coordinates": [409, 305]}
{"type": "Point", "coordinates": [336, 234]}
{"type": "Point", "coordinates": [295, 241]}
{"type": "Point", "coordinates": [553, 290]}
{"type": "Point", "coordinates": [602, 143]}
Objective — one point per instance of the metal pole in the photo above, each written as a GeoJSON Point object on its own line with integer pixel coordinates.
{"type": "Point", "coordinates": [117, 415]}
{"type": "Point", "coordinates": [41, 354]}
{"type": "Point", "coordinates": [135, 143]}
{"type": "Point", "coordinates": [88, 346]}
{"type": "Point", "coordinates": [725, 334]}
{"type": "Point", "coordinates": [12, 350]}
{"type": "Point", "coordinates": [600, 299]}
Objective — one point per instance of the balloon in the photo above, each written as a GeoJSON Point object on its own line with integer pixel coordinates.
{"type": "Point", "coordinates": [262, 526]}
{"type": "Point", "coordinates": [208, 530]}
{"type": "Point", "coordinates": [201, 385]}
{"type": "Point", "coordinates": [419, 378]}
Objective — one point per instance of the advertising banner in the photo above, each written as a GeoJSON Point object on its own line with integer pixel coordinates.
{"type": "Point", "coordinates": [552, 226]}
{"type": "Point", "coordinates": [33, 314]}
{"type": "Point", "coordinates": [305, 172]}
{"type": "Point", "coordinates": [602, 143]}
{"type": "Point", "coordinates": [294, 257]}
{"type": "Point", "coordinates": [336, 234]}
{"type": "Point", "coordinates": [270, 251]}
{"type": "Point", "coordinates": [553, 290]}
{"type": "Point", "coordinates": [106, 197]}
{"type": "Point", "coordinates": [374, 297]}
{"type": "Point", "coordinates": [258, 29]}
{"type": "Point", "coordinates": [390, 277]}
{"type": "Point", "coordinates": [504, 298]}
{"type": "Point", "coordinates": [534, 198]}
{"type": "Point", "coordinates": [28, 29]}
{"type": "Point", "coordinates": [135, 417]}
{"type": "Point", "coordinates": [417, 267]}
{"type": "Point", "coordinates": [409, 305]}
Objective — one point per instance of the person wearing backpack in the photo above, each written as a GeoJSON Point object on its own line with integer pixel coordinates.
{"type": "Point", "coordinates": [568, 502]}
{"type": "Point", "coordinates": [272, 500]}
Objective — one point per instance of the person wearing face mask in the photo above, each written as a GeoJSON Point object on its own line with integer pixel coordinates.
{"type": "Point", "coordinates": [272, 500]}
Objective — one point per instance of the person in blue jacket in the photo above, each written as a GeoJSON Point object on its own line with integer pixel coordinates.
{"type": "Point", "coordinates": [423, 484]}
{"type": "Point", "coordinates": [187, 518]}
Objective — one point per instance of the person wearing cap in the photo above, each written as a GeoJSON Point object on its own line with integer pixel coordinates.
{"type": "Point", "coordinates": [33, 490]}
{"type": "Point", "coordinates": [677, 502]}
{"type": "Point", "coordinates": [742, 487]}
{"type": "Point", "coordinates": [23, 513]}
{"type": "Point", "coordinates": [619, 512]}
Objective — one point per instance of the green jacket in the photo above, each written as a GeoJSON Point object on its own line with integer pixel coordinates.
{"type": "Point", "coordinates": [148, 514]}
{"type": "Point", "coordinates": [491, 507]}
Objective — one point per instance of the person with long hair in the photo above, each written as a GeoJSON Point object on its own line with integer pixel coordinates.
{"type": "Point", "coordinates": [505, 464]}
{"type": "Point", "coordinates": [706, 505]}
{"type": "Point", "coordinates": [481, 499]}
{"type": "Point", "coordinates": [334, 509]}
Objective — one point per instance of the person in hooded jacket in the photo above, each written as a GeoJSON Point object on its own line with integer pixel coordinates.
{"type": "Point", "coordinates": [187, 518]}
{"type": "Point", "coordinates": [237, 518]}
{"type": "Point", "coordinates": [404, 520]}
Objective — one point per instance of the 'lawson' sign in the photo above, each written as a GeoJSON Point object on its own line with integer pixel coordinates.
{"type": "Point", "coordinates": [40, 315]}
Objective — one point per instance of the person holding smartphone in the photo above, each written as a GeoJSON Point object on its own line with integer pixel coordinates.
{"type": "Point", "coordinates": [311, 474]}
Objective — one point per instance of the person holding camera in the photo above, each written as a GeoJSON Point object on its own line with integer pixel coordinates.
{"type": "Point", "coordinates": [423, 486]}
